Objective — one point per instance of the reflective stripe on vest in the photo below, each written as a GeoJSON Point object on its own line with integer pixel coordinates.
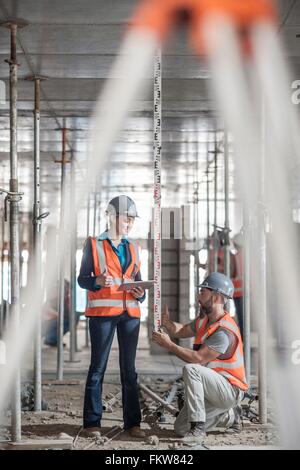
{"type": "Point", "coordinates": [101, 256]}
{"type": "Point", "coordinates": [136, 249]}
{"type": "Point", "coordinates": [225, 324]}
{"type": "Point", "coordinates": [238, 287]}
{"type": "Point", "coordinates": [117, 281]}
{"type": "Point", "coordinates": [227, 365]}
{"type": "Point", "coordinates": [111, 303]}
{"type": "Point", "coordinates": [199, 323]}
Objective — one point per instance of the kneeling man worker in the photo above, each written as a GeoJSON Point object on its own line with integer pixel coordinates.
{"type": "Point", "coordinates": [214, 376]}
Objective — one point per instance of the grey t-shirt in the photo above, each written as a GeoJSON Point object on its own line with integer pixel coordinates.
{"type": "Point", "coordinates": [222, 341]}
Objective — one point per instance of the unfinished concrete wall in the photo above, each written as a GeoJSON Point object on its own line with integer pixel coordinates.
{"type": "Point", "coordinates": [184, 289]}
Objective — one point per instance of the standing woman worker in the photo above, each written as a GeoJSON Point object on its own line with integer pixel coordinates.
{"type": "Point", "coordinates": [109, 260]}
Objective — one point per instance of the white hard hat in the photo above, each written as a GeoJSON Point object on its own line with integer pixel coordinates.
{"type": "Point", "coordinates": [219, 283]}
{"type": "Point", "coordinates": [122, 205]}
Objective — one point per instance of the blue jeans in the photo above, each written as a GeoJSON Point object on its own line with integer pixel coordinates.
{"type": "Point", "coordinates": [102, 331]}
{"type": "Point", "coordinates": [50, 330]}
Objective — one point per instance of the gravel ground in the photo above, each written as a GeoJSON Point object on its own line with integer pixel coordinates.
{"type": "Point", "coordinates": [64, 415]}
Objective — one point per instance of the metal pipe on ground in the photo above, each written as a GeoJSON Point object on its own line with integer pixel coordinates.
{"type": "Point", "coordinates": [168, 398]}
{"type": "Point", "coordinates": [158, 399]}
{"type": "Point", "coordinates": [107, 406]}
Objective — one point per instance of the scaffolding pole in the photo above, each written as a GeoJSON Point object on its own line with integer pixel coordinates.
{"type": "Point", "coordinates": [60, 329]}
{"type": "Point", "coordinates": [262, 284]}
{"type": "Point", "coordinates": [95, 211]}
{"type": "Point", "coordinates": [2, 273]}
{"type": "Point", "coordinates": [226, 191]}
{"type": "Point", "coordinates": [246, 286]}
{"type": "Point", "coordinates": [37, 244]}
{"type": "Point", "coordinates": [14, 231]}
{"type": "Point", "coordinates": [196, 229]}
{"type": "Point", "coordinates": [37, 248]}
{"type": "Point", "coordinates": [215, 237]}
{"type": "Point", "coordinates": [208, 212]}
{"type": "Point", "coordinates": [157, 189]}
{"type": "Point", "coordinates": [196, 233]}
{"type": "Point", "coordinates": [14, 199]}
{"type": "Point", "coordinates": [87, 235]}
{"type": "Point", "coordinates": [72, 313]}
{"type": "Point", "coordinates": [99, 211]}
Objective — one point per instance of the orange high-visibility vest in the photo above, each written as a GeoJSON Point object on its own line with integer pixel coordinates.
{"type": "Point", "coordinates": [232, 369]}
{"type": "Point", "coordinates": [236, 265]}
{"type": "Point", "coordinates": [238, 275]}
{"type": "Point", "coordinates": [108, 301]}
{"type": "Point", "coordinates": [220, 263]}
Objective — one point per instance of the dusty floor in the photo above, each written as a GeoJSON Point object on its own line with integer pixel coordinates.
{"type": "Point", "coordinates": [64, 415]}
{"type": "Point", "coordinates": [64, 400]}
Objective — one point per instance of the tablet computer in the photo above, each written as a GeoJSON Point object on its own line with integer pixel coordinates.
{"type": "Point", "coordinates": [131, 285]}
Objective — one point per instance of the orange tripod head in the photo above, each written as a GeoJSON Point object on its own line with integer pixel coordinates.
{"type": "Point", "coordinates": [160, 16]}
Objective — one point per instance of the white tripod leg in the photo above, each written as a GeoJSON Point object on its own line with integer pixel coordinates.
{"type": "Point", "coordinates": [233, 92]}
{"type": "Point", "coordinates": [136, 56]}
{"type": "Point", "coordinates": [283, 159]}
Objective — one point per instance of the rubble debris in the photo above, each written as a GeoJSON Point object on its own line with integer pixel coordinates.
{"type": "Point", "coordinates": [102, 440]}
{"type": "Point", "coordinates": [153, 440]}
{"type": "Point", "coordinates": [63, 435]}
{"type": "Point", "coordinates": [252, 434]}
{"type": "Point", "coordinates": [27, 398]}
{"type": "Point", "coordinates": [174, 445]}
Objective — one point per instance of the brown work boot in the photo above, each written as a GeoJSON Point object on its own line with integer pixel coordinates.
{"type": "Point", "coordinates": [91, 432]}
{"type": "Point", "coordinates": [136, 431]}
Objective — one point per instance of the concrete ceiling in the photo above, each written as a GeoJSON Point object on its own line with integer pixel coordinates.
{"type": "Point", "coordinates": [74, 43]}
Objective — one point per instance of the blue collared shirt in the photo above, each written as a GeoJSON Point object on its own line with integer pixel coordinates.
{"type": "Point", "coordinates": [120, 251]}
{"type": "Point", "coordinates": [87, 280]}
